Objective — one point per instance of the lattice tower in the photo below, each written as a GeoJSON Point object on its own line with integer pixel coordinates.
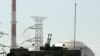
{"type": "Point", "coordinates": [38, 31]}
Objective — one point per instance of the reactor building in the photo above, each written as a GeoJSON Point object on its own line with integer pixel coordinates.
{"type": "Point", "coordinates": [85, 50]}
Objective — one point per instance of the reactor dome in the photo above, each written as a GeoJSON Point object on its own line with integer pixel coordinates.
{"type": "Point", "coordinates": [85, 50]}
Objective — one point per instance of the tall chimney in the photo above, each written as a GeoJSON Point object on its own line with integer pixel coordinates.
{"type": "Point", "coordinates": [13, 31]}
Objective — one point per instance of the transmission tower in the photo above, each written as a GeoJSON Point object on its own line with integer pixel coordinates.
{"type": "Point", "coordinates": [38, 31]}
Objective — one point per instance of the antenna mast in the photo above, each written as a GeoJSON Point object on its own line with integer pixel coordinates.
{"type": "Point", "coordinates": [75, 26]}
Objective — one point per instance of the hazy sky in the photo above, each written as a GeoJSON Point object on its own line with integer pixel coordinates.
{"type": "Point", "coordinates": [59, 22]}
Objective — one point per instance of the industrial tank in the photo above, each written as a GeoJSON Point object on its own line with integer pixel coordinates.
{"type": "Point", "coordinates": [85, 50]}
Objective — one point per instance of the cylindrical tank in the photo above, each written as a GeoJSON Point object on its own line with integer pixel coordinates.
{"type": "Point", "coordinates": [85, 50]}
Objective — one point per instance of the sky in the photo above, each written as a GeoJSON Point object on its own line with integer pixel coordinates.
{"type": "Point", "coordinates": [59, 21]}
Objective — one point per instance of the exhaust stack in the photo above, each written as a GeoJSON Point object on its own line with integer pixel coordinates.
{"type": "Point", "coordinates": [13, 25]}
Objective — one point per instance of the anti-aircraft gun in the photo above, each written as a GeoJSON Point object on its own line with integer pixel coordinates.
{"type": "Point", "coordinates": [47, 45]}
{"type": "Point", "coordinates": [49, 39]}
